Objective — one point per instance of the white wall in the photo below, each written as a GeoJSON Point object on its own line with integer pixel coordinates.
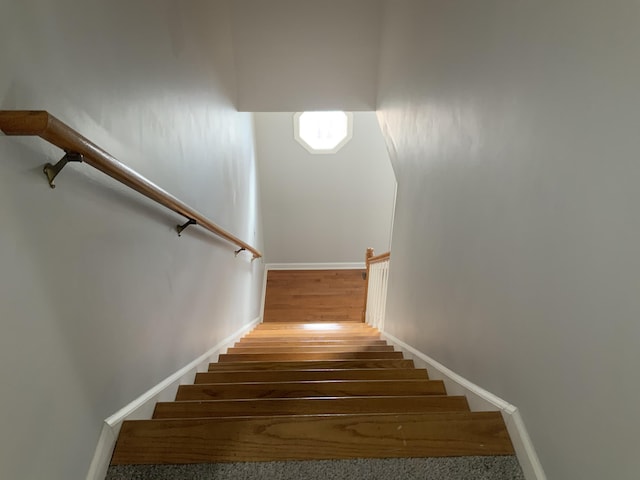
{"type": "Point", "coordinates": [323, 208]}
{"type": "Point", "coordinates": [294, 55]}
{"type": "Point", "coordinates": [99, 298]}
{"type": "Point", "coordinates": [516, 246]}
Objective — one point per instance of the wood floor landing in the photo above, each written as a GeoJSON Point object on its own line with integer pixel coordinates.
{"type": "Point", "coordinates": [314, 296]}
{"type": "Point", "coordinates": [299, 391]}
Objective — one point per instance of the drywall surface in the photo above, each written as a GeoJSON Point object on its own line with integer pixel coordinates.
{"type": "Point", "coordinates": [513, 128]}
{"type": "Point", "coordinates": [323, 208]}
{"type": "Point", "coordinates": [99, 298]}
{"type": "Point", "coordinates": [295, 55]}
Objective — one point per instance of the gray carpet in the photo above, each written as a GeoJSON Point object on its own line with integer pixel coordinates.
{"type": "Point", "coordinates": [451, 468]}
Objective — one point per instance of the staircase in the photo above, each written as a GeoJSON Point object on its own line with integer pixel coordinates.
{"type": "Point", "coordinates": [314, 391]}
{"type": "Point", "coordinates": [295, 391]}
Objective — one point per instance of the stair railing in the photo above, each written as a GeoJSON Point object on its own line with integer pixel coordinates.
{"type": "Point", "coordinates": [80, 149]}
{"type": "Point", "coordinates": [375, 294]}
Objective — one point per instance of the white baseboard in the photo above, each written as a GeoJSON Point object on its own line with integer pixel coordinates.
{"type": "Point", "coordinates": [480, 400]}
{"type": "Point", "coordinates": [142, 407]}
{"type": "Point", "coordinates": [316, 266]}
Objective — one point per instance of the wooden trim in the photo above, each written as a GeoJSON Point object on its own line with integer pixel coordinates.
{"type": "Point", "coordinates": [48, 127]}
{"type": "Point", "coordinates": [380, 258]}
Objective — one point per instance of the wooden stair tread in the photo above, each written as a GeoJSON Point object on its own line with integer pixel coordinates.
{"type": "Point", "coordinates": [304, 332]}
{"type": "Point", "coordinates": [312, 325]}
{"type": "Point", "coordinates": [321, 388]}
{"type": "Point", "coordinates": [298, 375]}
{"type": "Point", "coordinates": [309, 332]}
{"type": "Point", "coordinates": [277, 342]}
{"type": "Point", "coordinates": [312, 338]}
{"type": "Point", "coordinates": [312, 364]}
{"type": "Point", "coordinates": [315, 326]}
{"type": "Point", "coordinates": [245, 357]}
{"type": "Point", "coordinates": [310, 406]}
{"type": "Point", "coordinates": [311, 438]}
{"type": "Point", "coordinates": [294, 333]}
{"type": "Point", "coordinates": [310, 349]}
{"type": "Point", "coordinates": [296, 329]}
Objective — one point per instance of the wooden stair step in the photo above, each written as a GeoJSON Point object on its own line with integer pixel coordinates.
{"type": "Point", "coordinates": [314, 333]}
{"type": "Point", "coordinates": [312, 364]}
{"type": "Point", "coordinates": [312, 324]}
{"type": "Point", "coordinates": [308, 332]}
{"type": "Point", "coordinates": [300, 332]}
{"type": "Point", "coordinates": [280, 343]}
{"type": "Point", "coordinates": [310, 406]}
{"type": "Point", "coordinates": [325, 388]}
{"type": "Point", "coordinates": [311, 438]}
{"type": "Point", "coordinates": [316, 326]}
{"type": "Point", "coordinates": [311, 349]}
{"type": "Point", "coordinates": [323, 314]}
{"type": "Point", "coordinates": [265, 357]}
{"type": "Point", "coordinates": [235, 376]}
{"type": "Point", "coordinates": [312, 338]}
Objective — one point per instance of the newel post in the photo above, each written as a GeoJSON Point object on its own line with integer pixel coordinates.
{"type": "Point", "coordinates": [368, 256]}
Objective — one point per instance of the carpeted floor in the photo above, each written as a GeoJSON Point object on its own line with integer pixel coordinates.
{"type": "Point", "coordinates": [450, 468]}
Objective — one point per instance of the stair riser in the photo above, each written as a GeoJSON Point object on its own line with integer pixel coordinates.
{"type": "Point", "coordinates": [310, 389]}
{"type": "Point", "coordinates": [265, 357]}
{"type": "Point", "coordinates": [314, 338]}
{"type": "Point", "coordinates": [311, 364]}
{"type": "Point", "coordinates": [310, 406]}
{"type": "Point", "coordinates": [301, 375]}
{"type": "Point", "coordinates": [311, 343]}
{"type": "Point", "coordinates": [310, 349]}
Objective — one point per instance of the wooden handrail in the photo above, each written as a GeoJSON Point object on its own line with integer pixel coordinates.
{"type": "Point", "coordinates": [48, 127]}
{"type": "Point", "coordinates": [380, 258]}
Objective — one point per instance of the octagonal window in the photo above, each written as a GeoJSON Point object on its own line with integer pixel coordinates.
{"type": "Point", "coordinates": [323, 132]}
